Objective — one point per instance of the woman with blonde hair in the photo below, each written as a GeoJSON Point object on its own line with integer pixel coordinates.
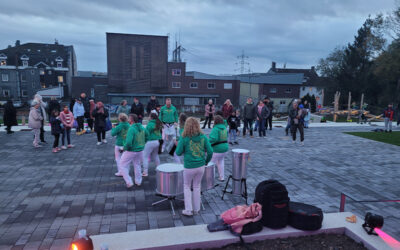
{"type": "Point", "coordinates": [197, 152]}
{"type": "Point", "coordinates": [227, 108]}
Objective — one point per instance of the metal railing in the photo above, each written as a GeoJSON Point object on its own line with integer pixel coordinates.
{"type": "Point", "coordinates": [343, 201]}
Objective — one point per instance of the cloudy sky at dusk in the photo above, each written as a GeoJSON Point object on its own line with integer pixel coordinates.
{"type": "Point", "coordinates": [213, 32]}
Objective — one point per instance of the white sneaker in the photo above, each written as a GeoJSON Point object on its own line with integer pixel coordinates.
{"type": "Point", "coordinates": [63, 147]}
{"type": "Point", "coordinates": [98, 143]}
{"type": "Point", "coordinates": [294, 142]}
{"type": "Point", "coordinates": [187, 213]}
{"type": "Point", "coordinates": [118, 174]}
{"type": "Point", "coordinates": [301, 143]}
{"type": "Point", "coordinates": [104, 141]}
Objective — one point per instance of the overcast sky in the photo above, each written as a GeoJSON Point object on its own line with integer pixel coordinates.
{"type": "Point", "coordinates": [214, 32]}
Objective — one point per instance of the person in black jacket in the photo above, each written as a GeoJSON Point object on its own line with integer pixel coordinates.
{"type": "Point", "coordinates": [262, 113]}
{"type": "Point", "coordinates": [100, 114]}
{"type": "Point", "coordinates": [270, 106]}
{"type": "Point", "coordinates": [152, 104]}
{"type": "Point", "coordinates": [249, 116]}
{"type": "Point", "coordinates": [56, 129]}
{"type": "Point", "coordinates": [10, 116]}
{"type": "Point", "coordinates": [233, 123]}
{"type": "Point", "coordinates": [137, 109]}
{"type": "Point", "coordinates": [295, 115]}
{"type": "Point", "coordinates": [53, 105]}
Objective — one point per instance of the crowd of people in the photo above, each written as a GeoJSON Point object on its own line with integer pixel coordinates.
{"type": "Point", "coordinates": [166, 131]}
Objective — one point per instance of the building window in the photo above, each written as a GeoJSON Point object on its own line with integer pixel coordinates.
{"type": "Point", "coordinates": [176, 72]}
{"type": "Point", "coordinates": [32, 72]}
{"type": "Point", "coordinates": [3, 63]}
{"type": "Point", "coordinates": [227, 85]}
{"type": "Point", "coordinates": [176, 85]}
{"type": "Point", "coordinates": [6, 93]}
{"type": "Point", "coordinates": [288, 90]}
{"type": "Point", "coordinates": [282, 102]}
{"type": "Point", "coordinates": [191, 101]}
{"type": "Point", "coordinates": [272, 90]}
{"type": "Point", "coordinates": [24, 93]}
{"type": "Point", "coordinates": [92, 92]}
{"type": "Point", "coordinates": [211, 85]}
{"type": "Point", "coordinates": [4, 77]}
{"type": "Point", "coordinates": [194, 85]}
{"type": "Point", "coordinates": [43, 85]}
{"type": "Point", "coordinates": [24, 63]}
{"type": "Point", "coordinates": [41, 72]}
{"type": "Point", "coordinates": [59, 64]}
{"type": "Point", "coordinates": [60, 79]}
{"type": "Point", "coordinates": [49, 72]}
{"type": "Point", "coordinates": [23, 76]}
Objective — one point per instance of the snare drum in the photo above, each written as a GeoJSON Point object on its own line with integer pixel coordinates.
{"type": "Point", "coordinates": [169, 179]}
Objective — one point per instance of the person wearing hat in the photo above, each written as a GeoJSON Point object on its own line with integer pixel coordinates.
{"type": "Point", "coordinates": [35, 122]}
{"type": "Point", "coordinates": [79, 115]}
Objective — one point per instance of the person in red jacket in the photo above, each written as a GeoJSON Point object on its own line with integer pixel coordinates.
{"type": "Point", "coordinates": [388, 114]}
{"type": "Point", "coordinates": [227, 109]}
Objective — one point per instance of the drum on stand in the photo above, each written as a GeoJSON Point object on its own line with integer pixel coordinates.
{"type": "Point", "coordinates": [208, 181]}
{"type": "Point", "coordinates": [169, 182]}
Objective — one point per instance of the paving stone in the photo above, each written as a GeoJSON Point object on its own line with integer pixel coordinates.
{"type": "Point", "coordinates": [45, 199]}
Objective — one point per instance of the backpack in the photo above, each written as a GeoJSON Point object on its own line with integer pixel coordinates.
{"type": "Point", "coordinates": [305, 217]}
{"type": "Point", "coordinates": [274, 199]}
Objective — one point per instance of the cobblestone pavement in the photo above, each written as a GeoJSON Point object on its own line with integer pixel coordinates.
{"type": "Point", "coordinates": [45, 197]}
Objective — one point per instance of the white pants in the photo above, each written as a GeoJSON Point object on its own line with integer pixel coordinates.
{"type": "Point", "coordinates": [168, 135]}
{"type": "Point", "coordinates": [118, 155]}
{"type": "Point", "coordinates": [124, 165]}
{"type": "Point", "coordinates": [177, 159]}
{"type": "Point", "coordinates": [388, 124]}
{"type": "Point", "coordinates": [219, 160]}
{"type": "Point", "coordinates": [192, 175]}
{"type": "Point", "coordinates": [150, 152]}
{"type": "Point", "coordinates": [36, 132]}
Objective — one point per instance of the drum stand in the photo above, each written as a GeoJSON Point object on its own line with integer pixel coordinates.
{"type": "Point", "coordinates": [242, 181]}
{"type": "Point", "coordinates": [167, 198]}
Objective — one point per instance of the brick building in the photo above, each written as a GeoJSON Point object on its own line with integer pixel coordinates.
{"type": "Point", "coordinates": [52, 65]}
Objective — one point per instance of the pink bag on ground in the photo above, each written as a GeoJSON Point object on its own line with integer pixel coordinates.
{"type": "Point", "coordinates": [239, 216]}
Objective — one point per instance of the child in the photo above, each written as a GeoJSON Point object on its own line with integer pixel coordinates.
{"type": "Point", "coordinates": [67, 119]}
{"type": "Point", "coordinates": [133, 152]}
{"type": "Point", "coordinates": [153, 137]}
{"type": "Point", "coordinates": [120, 132]}
{"type": "Point", "coordinates": [182, 120]}
{"type": "Point", "coordinates": [220, 113]}
{"type": "Point", "coordinates": [35, 122]}
{"type": "Point", "coordinates": [240, 118]}
{"type": "Point", "coordinates": [233, 121]}
{"type": "Point", "coordinates": [55, 129]}
{"type": "Point", "coordinates": [219, 143]}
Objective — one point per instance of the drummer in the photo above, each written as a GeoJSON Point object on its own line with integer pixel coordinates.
{"type": "Point", "coordinates": [120, 132]}
{"type": "Point", "coordinates": [133, 152]}
{"type": "Point", "coordinates": [197, 152]}
{"type": "Point", "coordinates": [169, 117]}
{"type": "Point", "coordinates": [182, 120]}
{"type": "Point", "coordinates": [153, 135]}
{"type": "Point", "coordinates": [219, 143]}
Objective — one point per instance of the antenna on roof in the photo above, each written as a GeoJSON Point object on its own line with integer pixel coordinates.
{"type": "Point", "coordinates": [284, 65]}
{"type": "Point", "coordinates": [242, 63]}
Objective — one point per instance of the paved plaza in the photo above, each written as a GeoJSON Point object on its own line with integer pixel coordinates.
{"type": "Point", "coordinates": [45, 197]}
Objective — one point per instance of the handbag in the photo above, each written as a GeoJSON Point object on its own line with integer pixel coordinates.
{"type": "Point", "coordinates": [75, 125]}
{"type": "Point", "coordinates": [108, 124]}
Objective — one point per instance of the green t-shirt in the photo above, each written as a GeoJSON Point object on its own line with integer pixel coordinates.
{"type": "Point", "coordinates": [135, 139]}
{"type": "Point", "coordinates": [219, 133]}
{"type": "Point", "coordinates": [120, 131]}
{"type": "Point", "coordinates": [168, 115]}
{"type": "Point", "coordinates": [196, 150]}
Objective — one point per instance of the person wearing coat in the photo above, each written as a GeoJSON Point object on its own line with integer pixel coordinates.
{"type": "Point", "coordinates": [123, 108]}
{"type": "Point", "coordinates": [262, 113]}
{"type": "Point", "coordinates": [137, 109]}
{"type": "Point", "coordinates": [79, 115]}
{"type": "Point", "coordinates": [100, 115]}
{"type": "Point", "coordinates": [152, 104]}
{"type": "Point", "coordinates": [209, 113]}
{"type": "Point", "coordinates": [249, 115]}
{"type": "Point", "coordinates": [53, 105]}
{"type": "Point", "coordinates": [42, 109]}
{"type": "Point", "coordinates": [35, 122]}
{"type": "Point", "coordinates": [227, 109]}
{"type": "Point", "coordinates": [56, 129]}
{"type": "Point", "coordinates": [10, 116]}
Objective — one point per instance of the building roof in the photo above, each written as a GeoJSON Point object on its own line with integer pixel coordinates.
{"type": "Point", "coordinates": [201, 75]}
{"type": "Point", "coordinates": [37, 53]}
{"type": "Point", "coordinates": [91, 74]}
{"type": "Point", "coordinates": [311, 77]}
{"type": "Point", "coordinates": [272, 78]}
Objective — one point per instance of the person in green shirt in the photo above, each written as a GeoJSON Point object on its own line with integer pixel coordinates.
{"type": "Point", "coordinates": [197, 152]}
{"type": "Point", "coordinates": [182, 120]}
{"type": "Point", "coordinates": [120, 132]}
{"type": "Point", "coordinates": [219, 142]}
{"type": "Point", "coordinates": [169, 117]}
{"type": "Point", "coordinates": [153, 134]}
{"type": "Point", "coordinates": [133, 152]}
